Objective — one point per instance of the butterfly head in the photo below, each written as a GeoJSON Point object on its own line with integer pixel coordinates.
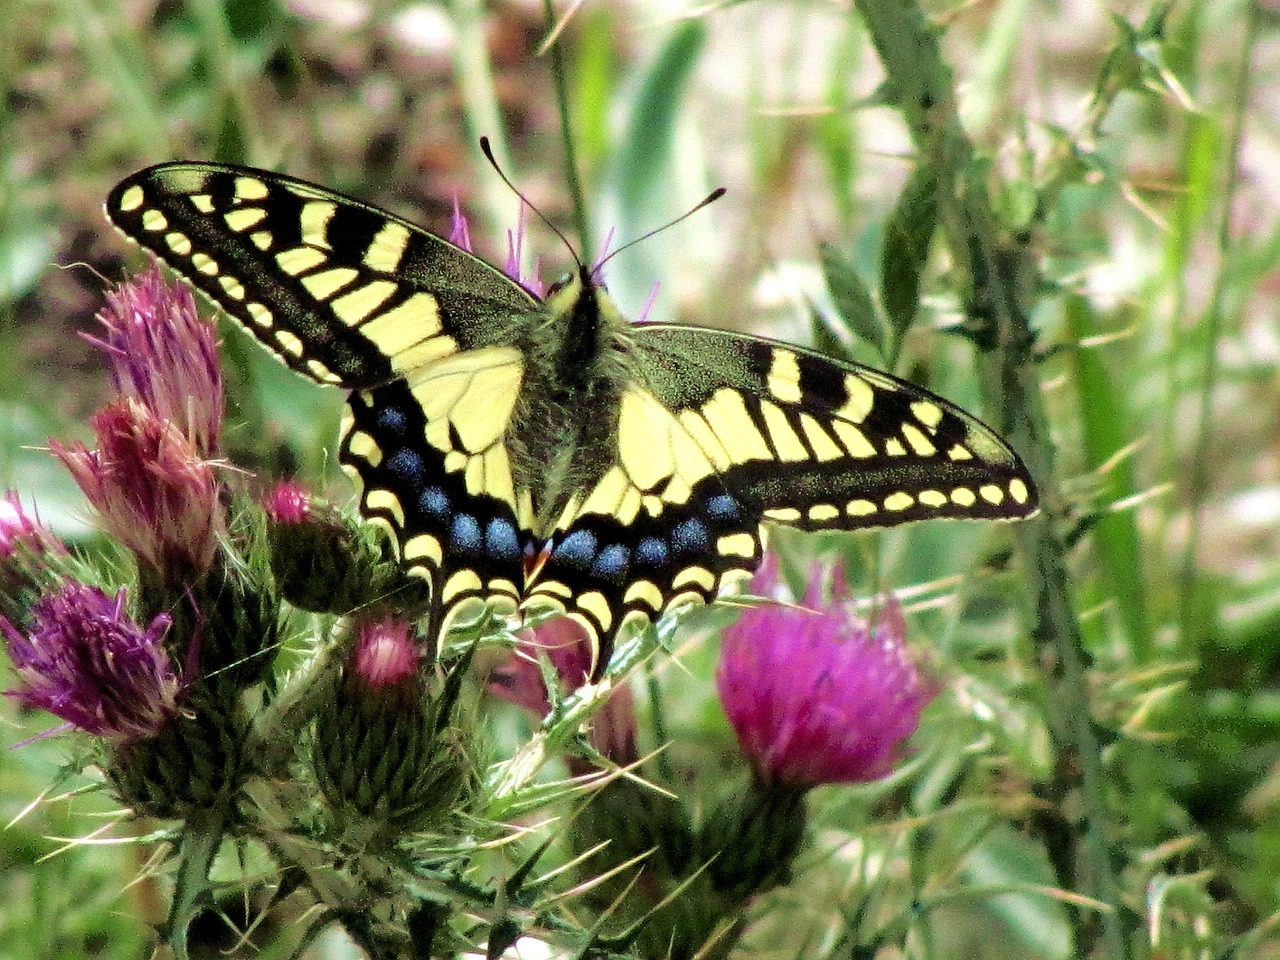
{"type": "Point", "coordinates": [583, 280]}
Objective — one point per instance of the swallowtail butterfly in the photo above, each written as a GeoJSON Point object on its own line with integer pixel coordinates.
{"type": "Point", "coordinates": [547, 453]}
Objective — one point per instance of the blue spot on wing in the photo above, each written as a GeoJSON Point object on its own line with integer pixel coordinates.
{"type": "Point", "coordinates": [464, 534]}
{"type": "Point", "coordinates": [434, 502]}
{"type": "Point", "coordinates": [578, 549]}
{"type": "Point", "coordinates": [611, 563]}
{"type": "Point", "coordinates": [501, 541]}
{"type": "Point", "coordinates": [690, 536]}
{"type": "Point", "coordinates": [406, 465]}
{"type": "Point", "coordinates": [652, 553]}
{"type": "Point", "coordinates": [723, 507]}
{"type": "Point", "coordinates": [391, 419]}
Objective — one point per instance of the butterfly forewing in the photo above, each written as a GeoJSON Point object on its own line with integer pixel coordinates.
{"type": "Point", "coordinates": [812, 442]}
{"type": "Point", "coordinates": [340, 291]}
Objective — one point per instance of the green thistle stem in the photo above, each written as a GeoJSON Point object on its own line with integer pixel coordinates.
{"type": "Point", "coordinates": [1198, 481]}
{"type": "Point", "coordinates": [201, 838]}
{"type": "Point", "coordinates": [1001, 276]}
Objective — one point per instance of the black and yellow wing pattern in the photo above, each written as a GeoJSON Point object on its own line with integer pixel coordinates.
{"type": "Point", "coordinates": [545, 453]}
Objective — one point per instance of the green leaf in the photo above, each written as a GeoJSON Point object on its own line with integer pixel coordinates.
{"type": "Point", "coordinates": [824, 337]}
{"type": "Point", "coordinates": [1015, 870]}
{"type": "Point", "coordinates": [907, 237]}
{"type": "Point", "coordinates": [640, 182]}
{"type": "Point", "coordinates": [1106, 423]}
{"type": "Point", "coordinates": [646, 150]}
{"type": "Point", "coordinates": [852, 298]}
{"type": "Point", "coordinates": [595, 79]}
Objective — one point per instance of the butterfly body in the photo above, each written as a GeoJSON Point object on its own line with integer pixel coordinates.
{"type": "Point", "coordinates": [546, 453]}
{"type": "Point", "coordinates": [577, 352]}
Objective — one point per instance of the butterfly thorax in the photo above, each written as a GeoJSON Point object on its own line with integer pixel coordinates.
{"type": "Point", "coordinates": [576, 363]}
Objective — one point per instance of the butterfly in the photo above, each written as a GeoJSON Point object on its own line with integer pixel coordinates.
{"type": "Point", "coordinates": [545, 454]}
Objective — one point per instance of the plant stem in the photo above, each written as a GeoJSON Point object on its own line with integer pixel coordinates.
{"type": "Point", "coordinates": [572, 178]}
{"type": "Point", "coordinates": [201, 838]}
{"type": "Point", "coordinates": [475, 81]}
{"type": "Point", "coordinates": [1199, 466]}
{"type": "Point", "coordinates": [999, 276]}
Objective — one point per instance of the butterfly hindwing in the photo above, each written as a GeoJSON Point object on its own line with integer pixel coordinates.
{"type": "Point", "coordinates": [455, 523]}
{"type": "Point", "coordinates": [629, 554]}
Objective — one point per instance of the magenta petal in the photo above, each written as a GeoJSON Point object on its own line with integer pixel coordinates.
{"type": "Point", "coordinates": [385, 654]}
{"type": "Point", "coordinates": [815, 697]}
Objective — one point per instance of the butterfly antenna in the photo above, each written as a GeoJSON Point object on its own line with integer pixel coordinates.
{"type": "Point", "coordinates": [710, 198]}
{"type": "Point", "coordinates": [487, 150]}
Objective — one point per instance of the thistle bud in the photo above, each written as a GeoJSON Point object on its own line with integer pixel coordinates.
{"type": "Point", "coordinates": [751, 839]}
{"type": "Point", "coordinates": [227, 626]}
{"type": "Point", "coordinates": [192, 763]}
{"type": "Point", "coordinates": [386, 760]}
{"type": "Point", "coordinates": [321, 561]}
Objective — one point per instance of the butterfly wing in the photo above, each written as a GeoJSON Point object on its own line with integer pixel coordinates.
{"type": "Point", "coordinates": [719, 432]}
{"type": "Point", "coordinates": [350, 295]}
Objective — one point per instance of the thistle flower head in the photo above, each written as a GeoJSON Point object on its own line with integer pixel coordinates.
{"type": "Point", "coordinates": [150, 486]}
{"type": "Point", "coordinates": [164, 355]}
{"type": "Point", "coordinates": [84, 660]}
{"type": "Point", "coordinates": [813, 695]}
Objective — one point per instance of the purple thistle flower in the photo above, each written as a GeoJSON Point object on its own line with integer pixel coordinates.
{"type": "Point", "coordinates": [515, 254]}
{"type": "Point", "coordinates": [86, 661]}
{"type": "Point", "coordinates": [164, 355]}
{"type": "Point", "coordinates": [814, 696]}
{"type": "Point", "coordinates": [460, 230]}
{"type": "Point", "coordinates": [151, 487]}
{"type": "Point", "coordinates": [565, 643]}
